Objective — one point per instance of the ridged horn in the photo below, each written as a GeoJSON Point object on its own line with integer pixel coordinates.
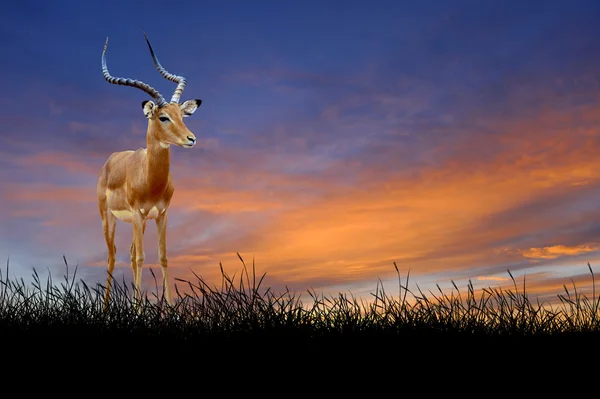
{"type": "Point", "coordinates": [160, 101]}
{"type": "Point", "coordinates": [180, 80]}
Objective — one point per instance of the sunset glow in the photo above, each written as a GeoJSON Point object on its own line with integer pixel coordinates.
{"type": "Point", "coordinates": [455, 139]}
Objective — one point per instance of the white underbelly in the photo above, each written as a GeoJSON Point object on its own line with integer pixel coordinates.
{"type": "Point", "coordinates": [126, 216]}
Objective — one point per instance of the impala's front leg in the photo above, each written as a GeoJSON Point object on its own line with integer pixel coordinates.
{"type": "Point", "coordinates": [138, 246]}
{"type": "Point", "coordinates": [161, 227]}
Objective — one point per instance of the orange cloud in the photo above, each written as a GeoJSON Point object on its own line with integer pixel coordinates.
{"type": "Point", "coordinates": [72, 162]}
{"type": "Point", "coordinates": [492, 278]}
{"type": "Point", "coordinates": [47, 192]}
{"type": "Point", "coordinates": [556, 251]}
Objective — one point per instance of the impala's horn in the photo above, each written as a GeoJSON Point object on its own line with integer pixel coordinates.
{"type": "Point", "coordinates": [160, 101]}
{"type": "Point", "coordinates": [180, 80]}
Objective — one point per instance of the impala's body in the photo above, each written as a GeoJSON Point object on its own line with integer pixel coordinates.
{"type": "Point", "coordinates": [135, 186]}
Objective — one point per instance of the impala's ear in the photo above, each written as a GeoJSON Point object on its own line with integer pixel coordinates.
{"type": "Point", "coordinates": [189, 107]}
{"type": "Point", "coordinates": [148, 107]}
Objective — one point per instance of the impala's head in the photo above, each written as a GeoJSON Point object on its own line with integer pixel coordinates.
{"type": "Point", "coordinates": [167, 122]}
{"type": "Point", "coordinates": [165, 119]}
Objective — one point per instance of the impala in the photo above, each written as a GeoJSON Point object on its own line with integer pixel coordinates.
{"type": "Point", "coordinates": [135, 186]}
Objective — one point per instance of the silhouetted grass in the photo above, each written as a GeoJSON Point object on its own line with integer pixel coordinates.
{"type": "Point", "coordinates": [242, 308]}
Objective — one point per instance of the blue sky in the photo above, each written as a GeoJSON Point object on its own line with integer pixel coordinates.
{"type": "Point", "coordinates": [458, 139]}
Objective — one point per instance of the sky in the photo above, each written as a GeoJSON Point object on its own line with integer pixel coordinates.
{"type": "Point", "coordinates": [458, 139]}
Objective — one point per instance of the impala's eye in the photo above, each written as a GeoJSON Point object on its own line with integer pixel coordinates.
{"type": "Point", "coordinates": [163, 119]}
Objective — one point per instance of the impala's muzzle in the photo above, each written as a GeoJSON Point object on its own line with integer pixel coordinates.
{"type": "Point", "coordinates": [191, 142]}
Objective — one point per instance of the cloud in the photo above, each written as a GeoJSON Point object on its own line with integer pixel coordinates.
{"type": "Point", "coordinates": [445, 158]}
{"type": "Point", "coordinates": [61, 162]}
{"type": "Point", "coordinates": [341, 211]}
{"type": "Point", "coordinates": [492, 278]}
{"type": "Point", "coordinates": [48, 193]}
{"type": "Point", "coordinates": [556, 251]}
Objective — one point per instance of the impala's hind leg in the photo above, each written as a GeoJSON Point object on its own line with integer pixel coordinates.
{"type": "Point", "coordinates": [134, 266]}
{"type": "Point", "coordinates": [161, 226]}
{"type": "Point", "coordinates": [108, 226]}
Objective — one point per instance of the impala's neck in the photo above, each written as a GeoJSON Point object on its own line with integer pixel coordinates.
{"type": "Point", "coordinates": [158, 162]}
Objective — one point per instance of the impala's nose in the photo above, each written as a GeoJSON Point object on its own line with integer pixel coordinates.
{"type": "Point", "coordinates": [192, 141]}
